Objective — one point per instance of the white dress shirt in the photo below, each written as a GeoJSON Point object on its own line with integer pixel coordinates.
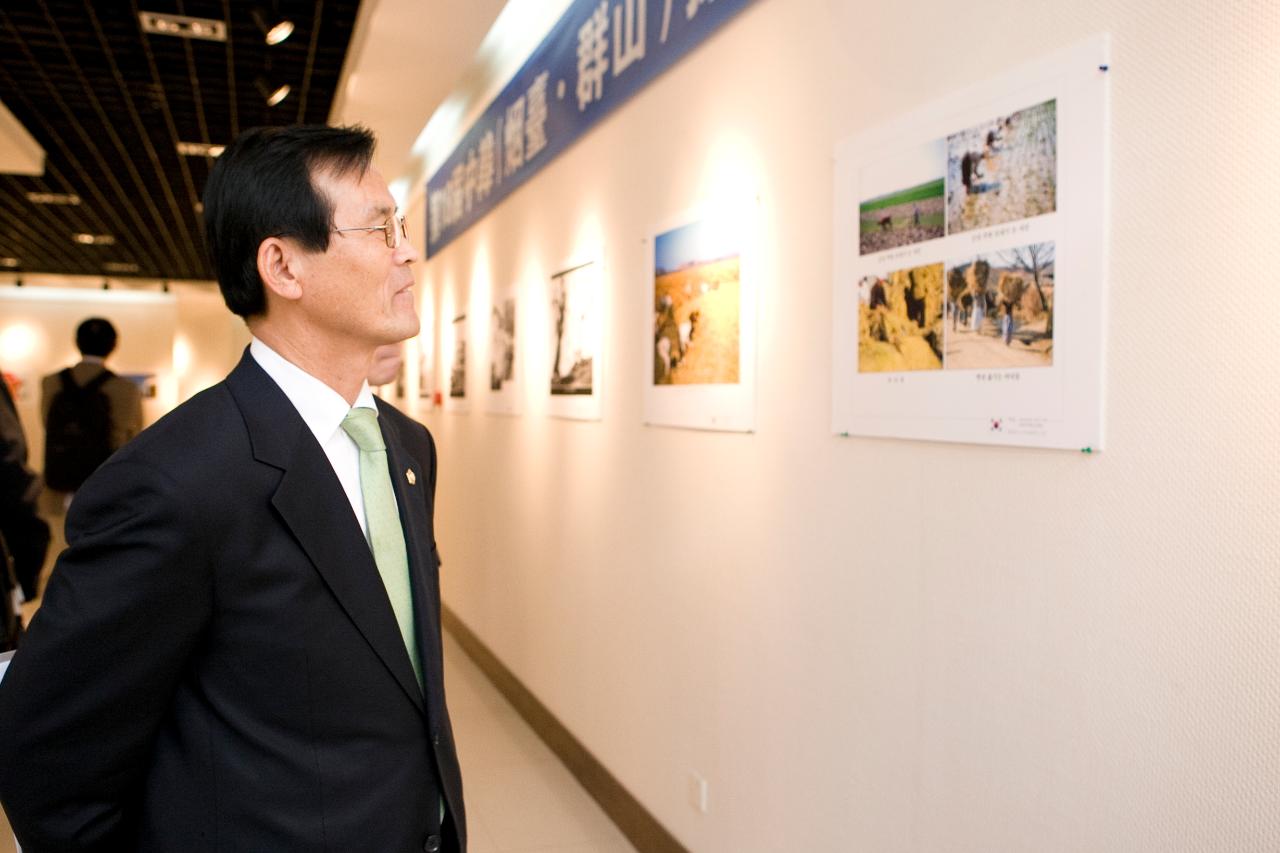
{"type": "Point", "coordinates": [322, 409]}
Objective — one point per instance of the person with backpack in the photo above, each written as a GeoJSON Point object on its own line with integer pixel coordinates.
{"type": "Point", "coordinates": [88, 411]}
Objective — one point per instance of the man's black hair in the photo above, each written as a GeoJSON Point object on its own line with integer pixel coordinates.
{"type": "Point", "coordinates": [262, 187]}
{"type": "Point", "coordinates": [96, 337]}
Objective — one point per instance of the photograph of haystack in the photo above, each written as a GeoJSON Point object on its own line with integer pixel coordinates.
{"type": "Point", "coordinates": [903, 199]}
{"type": "Point", "coordinates": [458, 370]}
{"type": "Point", "coordinates": [1003, 169]}
{"type": "Point", "coordinates": [574, 331]}
{"type": "Point", "coordinates": [900, 321]}
{"type": "Point", "coordinates": [502, 344]}
{"type": "Point", "coordinates": [696, 305]}
{"type": "Point", "coordinates": [1000, 309]}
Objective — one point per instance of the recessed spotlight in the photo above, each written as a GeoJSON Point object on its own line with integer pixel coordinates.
{"type": "Point", "coordinates": [94, 239]}
{"type": "Point", "coordinates": [119, 266]}
{"type": "Point", "coordinates": [53, 198]}
{"type": "Point", "coordinates": [10, 263]}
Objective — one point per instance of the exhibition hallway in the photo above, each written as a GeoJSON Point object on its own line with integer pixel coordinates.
{"type": "Point", "coordinates": [520, 798]}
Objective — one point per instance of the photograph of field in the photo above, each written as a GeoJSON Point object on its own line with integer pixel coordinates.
{"type": "Point", "coordinates": [458, 371]}
{"type": "Point", "coordinates": [900, 320]}
{"type": "Point", "coordinates": [899, 219]}
{"type": "Point", "coordinates": [574, 330]}
{"type": "Point", "coordinates": [502, 344]}
{"type": "Point", "coordinates": [696, 305]}
{"type": "Point", "coordinates": [902, 199]}
{"type": "Point", "coordinates": [1000, 309]}
{"type": "Point", "coordinates": [1003, 169]}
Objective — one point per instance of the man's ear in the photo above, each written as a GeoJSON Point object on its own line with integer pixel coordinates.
{"type": "Point", "coordinates": [278, 265]}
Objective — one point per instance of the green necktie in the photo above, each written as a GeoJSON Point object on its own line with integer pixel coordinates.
{"type": "Point", "coordinates": [386, 537]}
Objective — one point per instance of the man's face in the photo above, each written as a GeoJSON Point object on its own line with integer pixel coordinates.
{"type": "Point", "coordinates": [359, 291]}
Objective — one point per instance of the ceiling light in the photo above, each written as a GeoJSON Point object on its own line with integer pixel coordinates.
{"type": "Point", "coordinates": [275, 33]}
{"type": "Point", "coordinates": [53, 198]}
{"type": "Point", "coordinates": [200, 149]}
{"type": "Point", "coordinates": [119, 266]}
{"type": "Point", "coordinates": [94, 239]}
{"type": "Point", "coordinates": [182, 26]}
{"type": "Point", "coordinates": [271, 96]}
{"type": "Point", "coordinates": [9, 263]}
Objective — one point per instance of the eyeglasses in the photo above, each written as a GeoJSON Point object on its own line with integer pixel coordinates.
{"type": "Point", "coordinates": [393, 228]}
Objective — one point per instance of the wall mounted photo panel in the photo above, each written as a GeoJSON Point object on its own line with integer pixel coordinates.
{"type": "Point", "coordinates": [503, 386]}
{"type": "Point", "coordinates": [700, 330]}
{"type": "Point", "coordinates": [456, 366]}
{"type": "Point", "coordinates": [955, 224]}
{"type": "Point", "coordinates": [576, 334]}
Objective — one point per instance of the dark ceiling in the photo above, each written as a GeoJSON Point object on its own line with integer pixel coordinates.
{"type": "Point", "coordinates": [109, 105]}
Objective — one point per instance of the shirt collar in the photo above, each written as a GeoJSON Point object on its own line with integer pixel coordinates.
{"type": "Point", "coordinates": [321, 407]}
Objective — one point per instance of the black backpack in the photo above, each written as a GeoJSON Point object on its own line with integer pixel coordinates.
{"type": "Point", "coordinates": [77, 432]}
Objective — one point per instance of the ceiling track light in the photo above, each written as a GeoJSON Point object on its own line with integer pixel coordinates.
{"type": "Point", "coordinates": [272, 33]}
{"type": "Point", "coordinates": [270, 95]}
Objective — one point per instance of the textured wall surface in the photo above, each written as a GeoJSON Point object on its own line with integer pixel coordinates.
{"type": "Point", "coordinates": [881, 645]}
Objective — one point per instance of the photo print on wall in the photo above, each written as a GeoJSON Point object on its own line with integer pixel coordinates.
{"type": "Point", "coordinates": [903, 199]}
{"type": "Point", "coordinates": [702, 332]}
{"type": "Point", "coordinates": [953, 226]}
{"type": "Point", "coordinates": [1003, 169]}
{"type": "Point", "coordinates": [575, 335]}
{"type": "Point", "coordinates": [503, 395]}
{"type": "Point", "coordinates": [457, 399]}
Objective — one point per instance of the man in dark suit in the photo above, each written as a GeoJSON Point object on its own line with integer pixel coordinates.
{"type": "Point", "coordinates": [240, 649]}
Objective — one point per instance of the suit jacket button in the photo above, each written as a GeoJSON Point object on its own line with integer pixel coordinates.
{"type": "Point", "coordinates": [431, 845]}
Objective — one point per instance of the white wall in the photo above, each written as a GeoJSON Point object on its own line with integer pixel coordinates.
{"type": "Point", "coordinates": [881, 645]}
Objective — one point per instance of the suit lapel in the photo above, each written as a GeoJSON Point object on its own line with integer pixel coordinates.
{"type": "Point", "coordinates": [314, 507]}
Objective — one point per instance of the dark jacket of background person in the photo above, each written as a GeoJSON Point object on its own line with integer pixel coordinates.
{"type": "Point", "coordinates": [25, 533]}
{"type": "Point", "coordinates": [253, 691]}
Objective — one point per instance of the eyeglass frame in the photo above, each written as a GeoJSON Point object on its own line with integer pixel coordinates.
{"type": "Point", "coordinates": [393, 235]}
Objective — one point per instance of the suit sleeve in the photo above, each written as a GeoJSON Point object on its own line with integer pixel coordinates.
{"type": "Point", "coordinates": [91, 682]}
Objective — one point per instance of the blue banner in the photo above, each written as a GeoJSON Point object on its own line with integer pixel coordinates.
{"type": "Point", "coordinates": [599, 54]}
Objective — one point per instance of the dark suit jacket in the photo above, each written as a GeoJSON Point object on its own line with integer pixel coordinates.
{"type": "Point", "coordinates": [216, 665]}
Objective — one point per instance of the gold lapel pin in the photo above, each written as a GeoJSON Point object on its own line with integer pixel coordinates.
{"type": "Point", "coordinates": [408, 475]}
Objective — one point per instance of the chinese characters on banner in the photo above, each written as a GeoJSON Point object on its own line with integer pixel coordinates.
{"type": "Point", "coordinates": [599, 54]}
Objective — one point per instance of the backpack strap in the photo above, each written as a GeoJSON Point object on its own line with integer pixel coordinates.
{"type": "Point", "coordinates": [98, 381]}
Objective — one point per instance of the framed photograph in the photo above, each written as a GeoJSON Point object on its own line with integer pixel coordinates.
{"type": "Point", "coordinates": [503, 394]}
{"type": "Point", "coordinates": [575, 301]}
{"type": "Point", "coordinates": [970, 256]}
{"type": "Point", "coordinates": [701, 325]}
{"type": "Point", "coordinates": [456, 368]}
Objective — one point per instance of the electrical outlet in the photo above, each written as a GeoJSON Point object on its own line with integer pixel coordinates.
{"type": "Point", "coordinates": [698, 792]}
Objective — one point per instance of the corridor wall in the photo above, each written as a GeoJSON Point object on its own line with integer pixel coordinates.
{"type": "Point", "coordinates": [887, 645]}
